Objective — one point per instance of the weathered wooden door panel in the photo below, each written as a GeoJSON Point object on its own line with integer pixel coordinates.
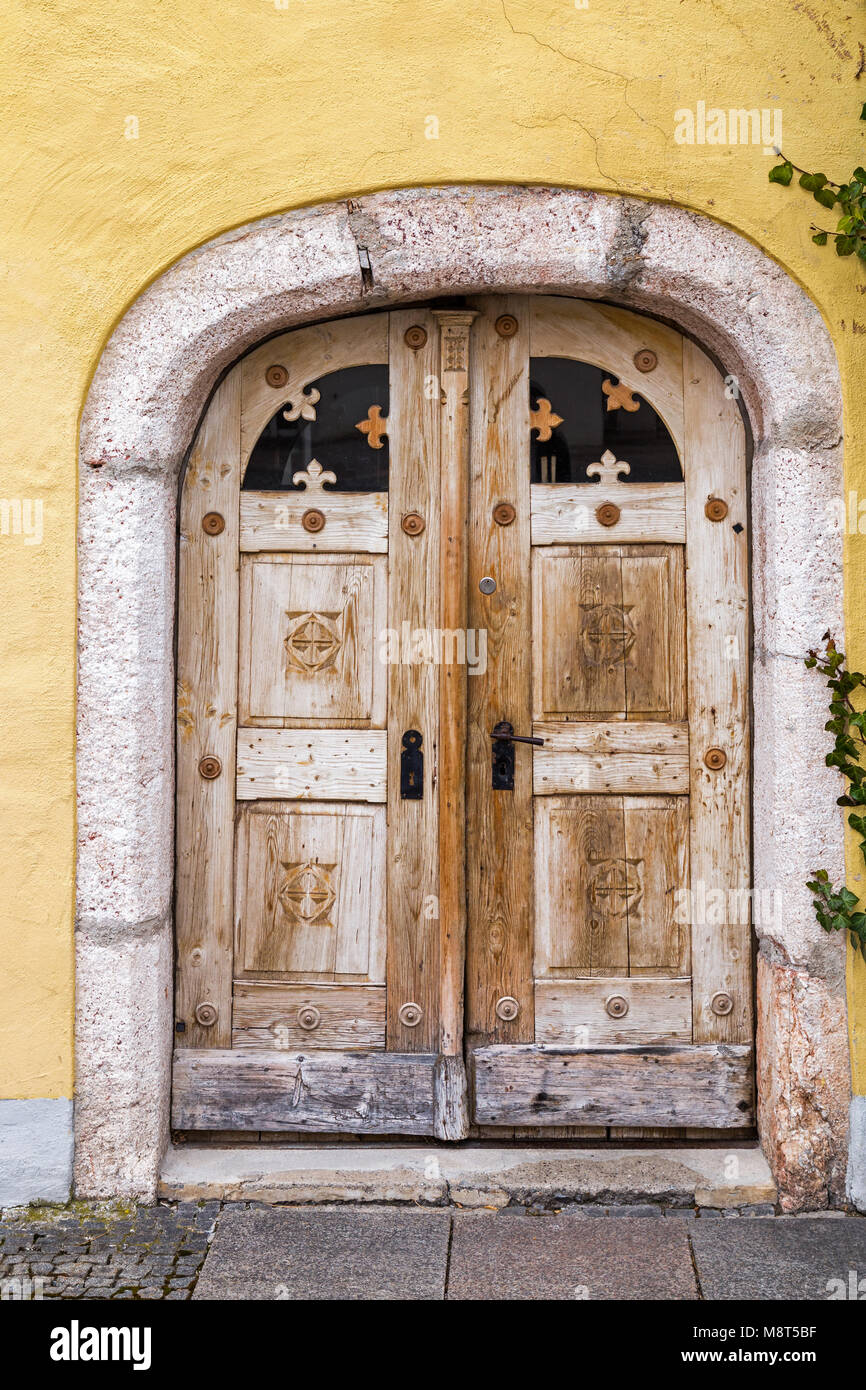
{"type": "Point", "coordinates": [311, 560]}
{"type": "Point", "coordinates": [306, 654]}
{"type": "Point", "coordinates": [637, 644]}
{"type": "Point", "coordinates": [311, 892]}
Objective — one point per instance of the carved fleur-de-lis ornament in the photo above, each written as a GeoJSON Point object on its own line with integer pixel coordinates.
{"type": "Point", "coordinates": [609, 469]}
{"type": "Point", "coordinates": [619, 396]}
{"type": "Point", "coordinates": [306, 406]}
{"type": "Point", "coordinates": [375, 427]}
{"type": "Point", "coordinates": [543, 419]}
{"type": "Point", "coordinates": [314, 476]}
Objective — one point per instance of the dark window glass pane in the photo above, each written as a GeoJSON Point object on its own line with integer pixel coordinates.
{"type": "Point", "coordinates": [588, 427]}
{"type": "Point", "coordinates": [287, 446]}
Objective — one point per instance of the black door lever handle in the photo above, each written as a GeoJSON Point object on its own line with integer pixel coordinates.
{"type": "Point", "coordinates": [504, 739]}
{"type": "Point", "coordinates": [504, 733]}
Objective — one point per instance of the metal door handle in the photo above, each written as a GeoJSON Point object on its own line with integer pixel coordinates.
{"type": "Point", "coordinates": [504, 733]}
{"type": "Point", "coordinates": [504, 739]}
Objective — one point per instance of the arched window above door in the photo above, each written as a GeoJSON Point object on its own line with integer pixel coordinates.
{"type": "Point", "coordinates": [580, 411]}
{"type": "Point", "coordinates": [340, 420]}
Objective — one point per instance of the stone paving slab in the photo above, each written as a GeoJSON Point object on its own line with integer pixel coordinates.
{"type": "Point", "coordinates": [520, 1255]}
{"type": "Point", "coordinates": [783, 1258]}
{"type": "Point", "coordinates": [347, 1253]}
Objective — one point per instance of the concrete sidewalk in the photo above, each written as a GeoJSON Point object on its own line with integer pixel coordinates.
{"type": "Point", "coordinates": [399, 1253]}
{"type": "Point", "coordinates": [242, 1251]}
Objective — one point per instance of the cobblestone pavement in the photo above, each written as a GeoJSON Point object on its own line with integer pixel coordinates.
{"type": "Point", "coordinates": [115, 1251]}
{"type": "Point", "coordinates": [90, 1250]}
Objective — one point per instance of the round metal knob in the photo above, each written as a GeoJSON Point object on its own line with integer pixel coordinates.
{"type": "Point", "coordinates": [487, 585]}
{"type": "Point", "coordinates": [313, 520]}
{"type": "Point", "coordinates": [210, 767]}
{"type": "Point", "coordinates": [206, 1015]}
{"type": "Point", "coordinates": [645, 360]}
{"type": "Point", "coordinates": [721, 1004]}
{"type": "Point", "coordinates": [716, 509]}
{"type": "Point", "coordinates": [212, 523]}
{"type": "Point", "coordinates": [413, 523]}
{"type": "Point", "coordinates": [415, 337]}
{"type": "Point", "coordinates": [715, 759]}
{"type": "Point", "coordinates": [410, 1015]}
{"type": "Point", "coordinates": [616, 1005]}
{"type": "Point", "coordinates": [276, 376]}
{"type": "Point", "coordinates": [608, 514]}
{"type": "Point", "coordinates": [507, 1008]}
{"type": "Point", "coordinates": [504, 514]}
{"type": "Point", "coordinates": [309, 1017]}
{"type": "Point", "coordinates": [506, 325]}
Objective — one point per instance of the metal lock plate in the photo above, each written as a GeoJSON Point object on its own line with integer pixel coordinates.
{"type": "Point", "coordinates": [412, 767]}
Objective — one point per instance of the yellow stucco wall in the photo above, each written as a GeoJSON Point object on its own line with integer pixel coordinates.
{"type": "Point", "coordinates": [250, 107]}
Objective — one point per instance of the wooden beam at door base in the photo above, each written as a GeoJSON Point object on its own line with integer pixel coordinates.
{"type": "Point", "coordinates": [665, 1087]}
{"type": "Point", "coordinates": [350, 1092]}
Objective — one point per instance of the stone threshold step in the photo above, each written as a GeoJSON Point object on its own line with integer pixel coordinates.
{"type": "Point", "coordinates": [733, 1176]}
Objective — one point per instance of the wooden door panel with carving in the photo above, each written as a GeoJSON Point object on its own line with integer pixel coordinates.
{"type": "Point", "coordinates": [323, 452]}
{"type": "Point", "coordinates": [638, 635]}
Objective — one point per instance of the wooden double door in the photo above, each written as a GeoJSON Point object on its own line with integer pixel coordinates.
{"type": "Point", "coordinates": [463, 747]}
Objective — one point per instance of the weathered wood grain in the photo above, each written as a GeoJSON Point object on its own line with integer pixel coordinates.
{"type": "Point", "coordinates": [354, 521]}
{"type": "Point", "coordinates": [666, 1087]}
{"type": "Point", "coordinates": [611, 757]}
{"type": "Point", "coordinates": [310, 653]}
{"type": "Point", "coordinates": [269, 1016]}
{"type": "Point", "coordinates": [310, 891]}
{"type": "Point", "coordinates": [207, 674]}
{"type": "Point", "coordinates": [355, 1092]}
{"type": "Point", "coordinates": [454, 464]}
{"type": "Point", "coordinates": [312, 764]}
{"type": "Point", "coordinates": [413, 697]}
{"type": "Point", "coordinates": [717, 597]}
{"type": "Point", "coordinates": [566, 512]}
{"type": "Point", "coordinates": [611, 879]}
{"type": "Point", "coordinates": [500, 855]}
{"type": "Point", "coordinates": [573, 1013]}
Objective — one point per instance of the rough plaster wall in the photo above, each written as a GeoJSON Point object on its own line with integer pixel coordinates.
{"type": "Point", "coordinates": [150, 387]}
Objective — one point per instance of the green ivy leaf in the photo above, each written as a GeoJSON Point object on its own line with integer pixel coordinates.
{"type": "Point", "coordinates": [813, 182]}
{"type": "Point", "coordinates": [819, 240]}
{"type": "Point", "coordinates": [844, 246]}
{"type": "Point", "coordinates": [825, 196]}
{"type": "Point", "coordinates": [782, 173]}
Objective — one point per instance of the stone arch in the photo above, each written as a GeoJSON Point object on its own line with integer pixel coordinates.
{"type": "Point", "coordinates": [152, 382]}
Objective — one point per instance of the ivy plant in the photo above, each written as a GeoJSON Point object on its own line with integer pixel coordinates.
{"type": "Point", "coordinates": [839, 909]}
{"type": "Point", "coordinates": [850, 233]}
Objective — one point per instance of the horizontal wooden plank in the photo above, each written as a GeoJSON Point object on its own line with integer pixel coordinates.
{"type": "Point", "coordinates": [566, 512]}
{"type": "Point", "coordinates": [709, 1085]}
{"type": "Point", "coordinates": [576, 1012]}
{"type": "Point", "coordinates": [349, 1092]}
{"type": "Point", "coordinates": [312, 764]}
{"type": "Point", "coordinates": [289, 1018]}
{"type": "Point", "coordinates": [614, 756]}
{"type": "Point", "coordinates": [354, 521]}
